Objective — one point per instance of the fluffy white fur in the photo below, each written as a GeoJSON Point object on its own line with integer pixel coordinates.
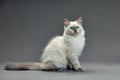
{"type": "Point", "coordinates": [61, 51]}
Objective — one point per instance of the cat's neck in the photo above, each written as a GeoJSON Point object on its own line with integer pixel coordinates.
{"type": "Point", "coordinates": [70, 38]}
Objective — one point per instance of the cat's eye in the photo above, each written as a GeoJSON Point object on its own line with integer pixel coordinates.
{"type": "Point", "coordinates": [77, 27]}
{"type": "Point", "coordinates": [71, 27]}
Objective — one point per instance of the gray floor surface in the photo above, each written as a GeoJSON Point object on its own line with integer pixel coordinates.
{"type": "Point", "coordinates": [94, 71]}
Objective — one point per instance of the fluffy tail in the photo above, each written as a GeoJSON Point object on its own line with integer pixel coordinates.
{"type": "Point", "coordinates": [24, 66]}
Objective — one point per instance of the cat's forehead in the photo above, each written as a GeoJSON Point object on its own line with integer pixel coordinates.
{"type": "Point", "coordinates": [73, 23]}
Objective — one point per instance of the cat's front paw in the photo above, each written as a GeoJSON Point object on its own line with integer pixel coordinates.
{"type": "Point", "coordinates": [80, 70]}
{"type": "Point", "coordinates": [61, 69]}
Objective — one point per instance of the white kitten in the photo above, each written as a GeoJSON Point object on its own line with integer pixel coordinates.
{"type": "Point", "coordinates": [61, 52]}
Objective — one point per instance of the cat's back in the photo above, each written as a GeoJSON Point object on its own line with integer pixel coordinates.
{"type": "Point", "coordinates": [56, 42]}
{"type": "Point", "coordinates": [57, 39]}
{"type": "Point", "coordinates": [55, 46]}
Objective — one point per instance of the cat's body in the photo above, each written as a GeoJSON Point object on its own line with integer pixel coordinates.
{"type": "Point", "coordinates": [61, 52]}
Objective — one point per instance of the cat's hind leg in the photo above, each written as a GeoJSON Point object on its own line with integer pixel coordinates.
{"type": "Point", "coordinates": [49, 66]}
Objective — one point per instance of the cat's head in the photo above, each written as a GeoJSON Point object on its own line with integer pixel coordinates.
{"type": "Point", "coordinates": [73, 27]}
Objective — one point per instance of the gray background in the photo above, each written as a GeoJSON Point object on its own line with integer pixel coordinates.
{"type": "Point", "coordinates": [26, 26]}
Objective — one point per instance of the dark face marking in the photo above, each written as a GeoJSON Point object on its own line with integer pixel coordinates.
{"type": "Point", "coordinates": [74, 28]}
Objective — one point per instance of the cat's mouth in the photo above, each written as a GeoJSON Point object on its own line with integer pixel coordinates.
{"type": "Point", "coordinates": [77, 31]}
{"type": "Point", "coordinates": [74, 32]}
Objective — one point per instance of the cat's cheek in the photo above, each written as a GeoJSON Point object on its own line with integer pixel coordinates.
{"type": "Point", "coordinates": [79, 30]}
{"type": "Point", "coordinates": [69, 32]}
{"type": "Point", "coordinates": [72, 32]}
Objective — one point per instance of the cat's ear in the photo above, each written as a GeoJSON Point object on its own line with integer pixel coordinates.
{"type": "Point", "coordinates": [79, 20]}
{"type": "Point", "coordinates": [66, 22]}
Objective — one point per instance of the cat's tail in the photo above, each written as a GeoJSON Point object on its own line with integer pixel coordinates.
{"type": "Point", "coordinates": [24, 66]}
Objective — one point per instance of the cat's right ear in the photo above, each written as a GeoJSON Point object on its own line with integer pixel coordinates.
{"type": "Point", "coordinates": [79, 20]}
{"type": "Point", "coordinates": [66, 22]}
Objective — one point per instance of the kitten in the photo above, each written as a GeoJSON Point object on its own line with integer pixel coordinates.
{"type": "Point", "coordinates": [61, 52]}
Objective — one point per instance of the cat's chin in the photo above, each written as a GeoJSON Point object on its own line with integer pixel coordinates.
{"type": "Point", "coordinates": [74, 34]}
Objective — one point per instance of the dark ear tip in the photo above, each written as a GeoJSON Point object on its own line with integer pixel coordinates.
{"type": "Point", "coordinates": [80, 18]}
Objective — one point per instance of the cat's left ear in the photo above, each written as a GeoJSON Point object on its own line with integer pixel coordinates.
{"type": "Point", "coordinates": [79, 20]}
{"type": "Point", "coordinates": [66, 22]}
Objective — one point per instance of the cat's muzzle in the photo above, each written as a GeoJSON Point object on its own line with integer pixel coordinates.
{"type": "Point", "coordinates": [75, 31]}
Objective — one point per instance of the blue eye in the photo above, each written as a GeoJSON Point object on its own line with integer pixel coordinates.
{"type": "Point", "coordinates": [77, 26]}
{"type": "Point", "coordinates": [71, 27]}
